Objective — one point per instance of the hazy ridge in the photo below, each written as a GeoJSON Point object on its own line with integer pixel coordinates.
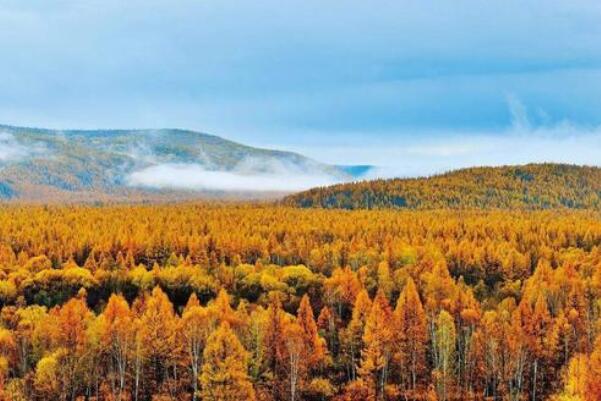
{"type": "Point", "coordinates": [44, 164]}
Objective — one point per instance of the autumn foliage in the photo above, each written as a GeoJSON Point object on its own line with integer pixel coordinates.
{"type": "Point", "coordinates": [531, 186]}
{"type": "Point", "coordinates": [258, 302]}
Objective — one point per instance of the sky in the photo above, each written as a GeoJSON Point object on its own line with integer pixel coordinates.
{"type": "Point", "coordinates": [413, 87]}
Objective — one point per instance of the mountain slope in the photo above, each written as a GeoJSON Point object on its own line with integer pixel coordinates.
{"type": "Point", "coordinates": [42, 164]}
{"type": "Point", "coordinates": [532, 186]}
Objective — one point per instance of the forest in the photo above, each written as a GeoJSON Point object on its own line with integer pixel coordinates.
{"type": "Point", "coordinates": [530, 186]}
{"type": "Point", "coordinates": [226, 302]}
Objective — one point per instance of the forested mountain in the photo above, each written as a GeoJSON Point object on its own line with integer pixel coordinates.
{"type": "Point", "coordinates": [531, 186]}
{"type": "Point", "coordinates": [42, 164]}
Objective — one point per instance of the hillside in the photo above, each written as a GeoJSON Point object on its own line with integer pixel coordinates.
{"type": "Point", "coordinates": [532, 186]}
{"type": "Point", "coordinates": [42, 164]}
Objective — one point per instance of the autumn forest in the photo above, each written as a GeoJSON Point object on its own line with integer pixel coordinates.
{"type": "Point", "coordinates": [261, 302]}
{"type": "Point", "coordinates": [300, 200]}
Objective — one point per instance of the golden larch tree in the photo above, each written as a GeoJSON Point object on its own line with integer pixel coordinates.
{"type": "Point", "coordinates": [376, 356]}
{"type": "Point", "coordinates": [411, 335]}
{"type": "Point", "coordinates": [224, 374]}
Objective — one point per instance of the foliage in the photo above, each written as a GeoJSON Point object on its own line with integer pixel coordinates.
{"type": "Point", "coordinates": [532, 186]}
{"type": "Point", "coordinates": [227, 302]}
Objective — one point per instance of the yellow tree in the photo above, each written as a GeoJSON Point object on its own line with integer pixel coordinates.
{"type": "Point", "coordinates": [138, 355]}
{"type": "Point", "coordinates": [28, 331]}
{"type": "Point", "coordinates": [47, 384]}
{"type": "Point", "coordinates": [224, 371]}
{"type": "Point", "coordinates": [8, 348]}
{"type": "Point", "coordinates": [70, 337]}
{"type": "Point", "coordinates": [487, 346]}
{"type": "Point", "coordinates": [575, 380]}
{"type": "Point", "coordinates": [444, 353]}
{"type": "Point", "coordinates": [275, 347]}
{"type": "Point", "coordinates": [194, 329]}
{"type": "Point", "coordinates": [116, 338]}
{"type": "Point", "coordinates": [378, 347]}
{"type": "Point", "coordinates": [296, 354]}
{"type": "Point", "coordinates": [411, 334]}
{"type": "Point", "coordinates": [158, 331]}
{"type": "Point", "coordinates": [593, 373]}
{"type": "Point", "coordinates": [515, 353]}
{"type": "Point", "coordinates": [326, 322]}
{"type": "Point", "coordinates": [313, 346]}
{"type": "Point", "coordinates": [342, 289]}
{"type": "Point", "coordinates": [222, 309]}
{"type": "Point", "coordinates": [353, 335]}
{"type": "Point", "coordinates": [385, 282]}
{"type": "Point", "coordinates": [542, 338]}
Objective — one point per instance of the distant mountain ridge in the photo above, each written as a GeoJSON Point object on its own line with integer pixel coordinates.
{"type": "Point", "coordinates": [531, 186]}
{"type": "Point", "coordinates": [43, 164]}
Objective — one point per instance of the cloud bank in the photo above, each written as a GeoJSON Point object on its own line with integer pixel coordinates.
{"type": "Point", "coordinates": [250, 175]}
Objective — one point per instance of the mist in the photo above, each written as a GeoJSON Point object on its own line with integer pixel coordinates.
{"type": "Point", "coordinates": [11, 150]}
{"type": "Point", "coordinates": [252, 175]}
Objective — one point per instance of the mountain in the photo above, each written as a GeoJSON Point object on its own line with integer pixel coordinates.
{"type": "Point", "coordinates": [43, 164]}
{"type": "Point", "coordinates": [532, 186]}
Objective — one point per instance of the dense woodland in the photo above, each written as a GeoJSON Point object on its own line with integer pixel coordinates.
{"type": "Point", "coordinates": [532, 186]}
{"type": "Point", "coordinates": [257, 302]}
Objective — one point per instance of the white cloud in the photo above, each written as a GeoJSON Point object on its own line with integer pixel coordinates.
{"type": "Point", "coordinates": [250, 175]}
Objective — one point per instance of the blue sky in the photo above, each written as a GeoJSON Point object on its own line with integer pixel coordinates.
{"type": "Point", "coordinates": [412, 86]}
